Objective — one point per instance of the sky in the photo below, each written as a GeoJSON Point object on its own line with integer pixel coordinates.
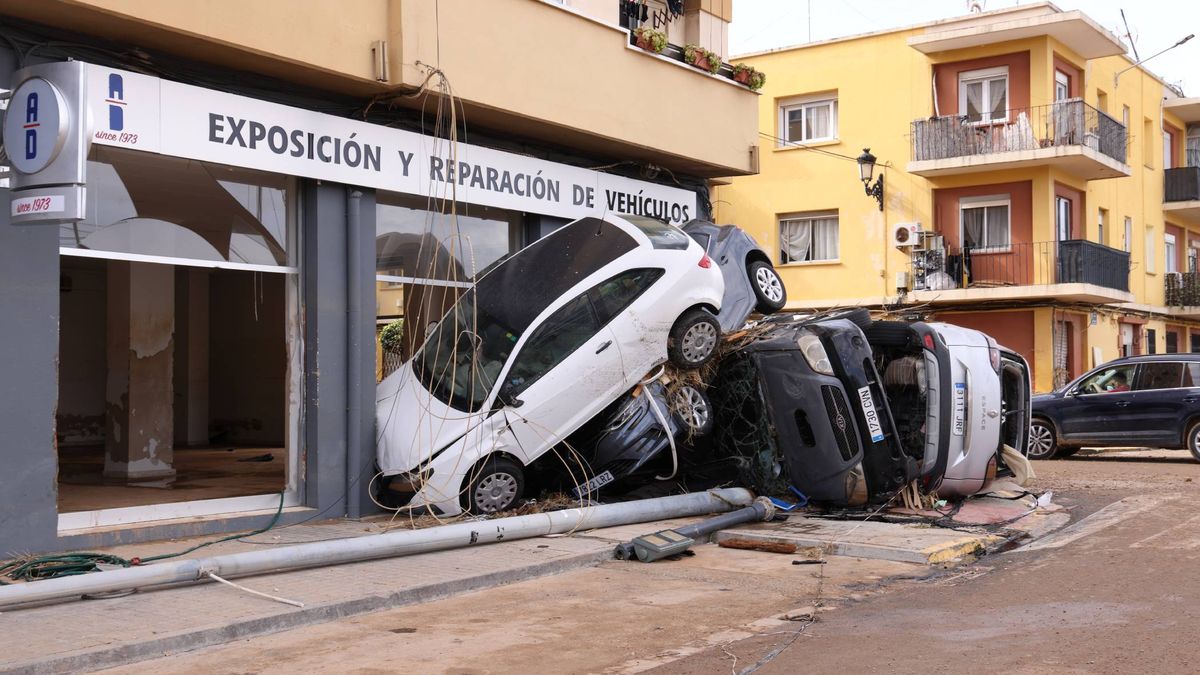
{"type": "Point", "coordinates": [1154, 24]}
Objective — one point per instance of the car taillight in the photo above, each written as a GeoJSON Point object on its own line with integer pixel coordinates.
{"type": "Point", "coordinates": [928, 341]}
{"type": "Point", "coordinates": [705, 261]}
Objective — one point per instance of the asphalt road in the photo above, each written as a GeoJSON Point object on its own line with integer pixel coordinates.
{"type": "Point", "coordinates": [1112, 592]}
{"type": "Point", "coordinates": [1118, 595]}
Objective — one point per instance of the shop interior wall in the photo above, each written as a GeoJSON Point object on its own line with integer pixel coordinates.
{"type": "Point", "coordinates": [82, 370]}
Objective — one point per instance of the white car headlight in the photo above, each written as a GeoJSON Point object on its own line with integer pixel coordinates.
{"type": "Point", "coordinates": [814, 352]}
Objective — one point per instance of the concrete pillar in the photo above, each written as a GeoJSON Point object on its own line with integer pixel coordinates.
{"type": "Point", "coordinates": [191, 356]}
{"type": "Point", "coordinates": [139, 422]}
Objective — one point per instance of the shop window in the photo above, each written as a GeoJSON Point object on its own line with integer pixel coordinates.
{"type": "Point", "coordinates": [983, 95]}
{"type": "Point", "coordinates": [808, 237]}
{"type": "Point", "coordinates": [808, 120]}
{"type": "Point", "coordinates": [1195, 344]}
{"type": "Point", "coordinates": [154, 205]}
{"type": "Point", "coordinates": [985, 223]}
{"type": "Point", "coordinates": [424, 259]}
{"type": "Point", "coordinates": [179, 342]}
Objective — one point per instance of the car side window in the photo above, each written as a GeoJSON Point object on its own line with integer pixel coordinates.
{"type": "Point", "coordinates": [1108, 380]}
{"type": "Point", "coordinates": [614, 295]}
{"type": "Point", "coordinates": [1160, 376]}
{"type": "Point", "coordinates": [1191, 375]}
{"type": "Point", "coordinates": [564, 331]}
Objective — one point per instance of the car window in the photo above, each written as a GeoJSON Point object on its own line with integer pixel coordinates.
{"type": "Point", "coordinates": [614, 295]}
{"type": "Point", "coordinates": [1108, 380]}
{"type": "Point", "coordinates": [661, 234]}
{"type": "Point", "coordinates": [558, 337]}
{"type": "Point", "coordinates": [464, 354]}
{"type": "Point", "coordinates": [1191, 375]}
{"type": "Point", "coordinates": [1160, 376]}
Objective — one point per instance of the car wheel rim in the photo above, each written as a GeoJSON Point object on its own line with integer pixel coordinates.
{"type": "Point", "coordinates": [496, 492]}
{"type": "Point", "coordinates": [1196, 444]}
{"type": "Point", "coordinates": [698, 341]}
{"type": "Point", "coordinates": [1039, 440]}
{"type": "Point", "coordinates": [695, 408]}
{"type": "Point", "coordinates": [769, 284]}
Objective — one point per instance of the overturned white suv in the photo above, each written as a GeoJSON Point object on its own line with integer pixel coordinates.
{"type": "Point", "coordinates": [542, 343]}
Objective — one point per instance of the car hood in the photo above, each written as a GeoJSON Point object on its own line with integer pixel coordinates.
{"type": "Point", "coordinates": [412, 425]}
{"type": "Point", "coordinates": [1041, 398]}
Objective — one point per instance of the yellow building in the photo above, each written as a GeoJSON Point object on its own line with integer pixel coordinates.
{"type": "Point", "coordinates": [1036, 184]}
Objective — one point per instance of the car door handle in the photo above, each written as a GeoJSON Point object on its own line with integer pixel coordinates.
{"type": "Point", "coordinates": [606, 345]}
{"type": "Point", "coordinates": [1121, 404]}
{"type": "Point", "coordinates": [1191, 399]}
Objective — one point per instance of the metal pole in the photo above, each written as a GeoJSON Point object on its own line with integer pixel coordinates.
{"type": "Point", "coordinates": [390, 544]}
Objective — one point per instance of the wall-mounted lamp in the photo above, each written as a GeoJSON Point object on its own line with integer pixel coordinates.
{"type": "Point", "coordinates": [866, 170]}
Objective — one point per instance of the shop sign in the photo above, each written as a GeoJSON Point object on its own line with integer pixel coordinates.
{"type": "Point", "coordinates": [145, 113]}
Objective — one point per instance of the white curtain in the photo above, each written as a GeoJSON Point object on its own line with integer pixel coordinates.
{"type": "Point", "coordinates": [972, 223]}
{"type": "Point", "coordinates": [997, 227]}
{"type": "Point", "coordinates": [817, 118]}
{"type": "Point", "coordinates": [999, 98]}
{"type": "Point", "coordinates": [809, 239]}
{"type": "Point", "coordinates": [974, 100]}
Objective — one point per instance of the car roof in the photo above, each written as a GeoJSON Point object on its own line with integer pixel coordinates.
{"type": "Point", "coordinates": [1151, 358]}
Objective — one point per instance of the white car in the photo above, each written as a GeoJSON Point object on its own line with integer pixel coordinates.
{"type": "Point", "coordinates": [954, 393]}
{"type": "Point", "coordinates": [541, 344]}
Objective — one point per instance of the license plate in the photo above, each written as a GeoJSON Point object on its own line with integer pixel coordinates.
{"type": "Point", "coordinates": [960, 408]}
{"type": "Point", "coordinates": [594, 484]}
{"type": "Point", "coordinates": [868, 408]}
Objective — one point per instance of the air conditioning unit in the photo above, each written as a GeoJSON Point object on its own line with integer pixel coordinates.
{"type": "Point", "coordinates": [906, 234]}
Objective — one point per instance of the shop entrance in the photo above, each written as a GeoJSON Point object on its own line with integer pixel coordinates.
{"type": "Point", "coordinates": [178, 344]}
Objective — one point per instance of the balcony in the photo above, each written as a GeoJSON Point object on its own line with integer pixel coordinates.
{"type": "Point", "coordinates": [1068, 134]}
{"type": "Point", "coordinates": [1182, 289]}
{"type": "Point", "coordinates": [1181, 192]}
{"type": "Point", "coordinates": [1076, 270]}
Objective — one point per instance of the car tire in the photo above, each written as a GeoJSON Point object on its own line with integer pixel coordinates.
{"type": "Point", "coordinates": [694, 411]}
{"type": "Point", "coordinates": [1193, 441]}
{"type": "Point", "coordinates": [855, 315]}
{"type": "Point", "coordinates": [768, 287]}
{"type": "Point", "coordinates": [693, 339]}
{"type": "Point", "coordinates": [494, 486]}
{"type": "Point", "coordinates": [1042, 441]}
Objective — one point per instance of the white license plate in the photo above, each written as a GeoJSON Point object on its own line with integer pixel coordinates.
{"type": "Point", "coordinates": [960, 408]}
{"type": "Point", "coordinates": [594, 484]}
{"type": "Point", "coordinates": [868, 408]}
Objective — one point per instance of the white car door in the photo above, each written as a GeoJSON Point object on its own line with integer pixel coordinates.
{"type": "Point", "coordinates": [565, 372]}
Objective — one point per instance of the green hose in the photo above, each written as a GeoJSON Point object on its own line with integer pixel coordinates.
{"type": "Point", "coordinates": [70, 564]}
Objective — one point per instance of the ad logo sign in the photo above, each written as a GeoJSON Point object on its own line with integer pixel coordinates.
{"type": "Point", "coordinates": [116, 102]}
{"type": "Point", "coordinates": [37, 123]}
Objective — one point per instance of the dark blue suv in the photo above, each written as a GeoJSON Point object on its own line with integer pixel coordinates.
{"type": "Point", "coordinates": [1151, 401]}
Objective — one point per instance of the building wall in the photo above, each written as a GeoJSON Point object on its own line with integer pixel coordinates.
{"type": "Point", "coordinates": [882, 85]}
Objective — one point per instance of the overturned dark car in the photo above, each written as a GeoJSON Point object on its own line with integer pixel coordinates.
{"type": "Point", "coordinates": [804, 402]}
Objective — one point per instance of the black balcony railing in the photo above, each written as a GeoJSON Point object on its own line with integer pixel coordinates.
{"type": "Point", "coordinates": [1182, 289]}
{"type": "Point", "coordinates": [1064, 123]}
{"type": "Point", "coordinates": [1027, 264]}
{"type": "Point", "coordinates": [1182, 184]}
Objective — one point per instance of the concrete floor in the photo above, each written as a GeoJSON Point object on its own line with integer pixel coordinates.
{"type": "Point", "coordinates": [202, 473]}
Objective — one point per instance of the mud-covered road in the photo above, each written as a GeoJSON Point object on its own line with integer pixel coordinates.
{"type": "Point", "coordinates": [1115, 592]}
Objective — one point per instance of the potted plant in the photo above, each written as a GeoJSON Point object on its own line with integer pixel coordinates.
{"type": "Point", "coordinates": [649, 39]}
{"type": "Point", "coordinates": [744, 74]}
{"type": "Point", "coordinates": [702, 58]}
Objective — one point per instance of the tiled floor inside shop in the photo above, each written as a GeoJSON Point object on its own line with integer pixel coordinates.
{"type": "Point", "coordinates": [201, 473]}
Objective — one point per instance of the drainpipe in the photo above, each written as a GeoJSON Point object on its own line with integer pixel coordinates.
{"type": "Point", "coordinates": [389, 544]}
{"type": "Point", "coordinates": [354, 382]}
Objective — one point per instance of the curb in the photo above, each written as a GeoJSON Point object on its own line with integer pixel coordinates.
{"type": "Point", "coordinates": [130, 653]}
{"type": "Point", "coordinates": [931, 555]}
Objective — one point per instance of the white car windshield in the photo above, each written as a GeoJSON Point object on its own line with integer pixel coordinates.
{"type": "Point", "coordinates": [464, 354]}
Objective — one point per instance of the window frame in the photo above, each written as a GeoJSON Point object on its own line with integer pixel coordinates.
{"type": "Point", "coordinates": [984, 76]}
{"type": "Point", "coordinates": [809, 217]}
{"type": "Point", "coordinates": [1170, 253]}
{"type": "Point", "coordinates": [985, 202]}
{"type": "Point", "coordinates": [1063, 79]}
{"type": "Point", "coordinates": [803, 104]}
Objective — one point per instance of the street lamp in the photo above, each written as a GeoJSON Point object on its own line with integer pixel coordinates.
{"type": "Point", "coordinates": [866, 169]}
